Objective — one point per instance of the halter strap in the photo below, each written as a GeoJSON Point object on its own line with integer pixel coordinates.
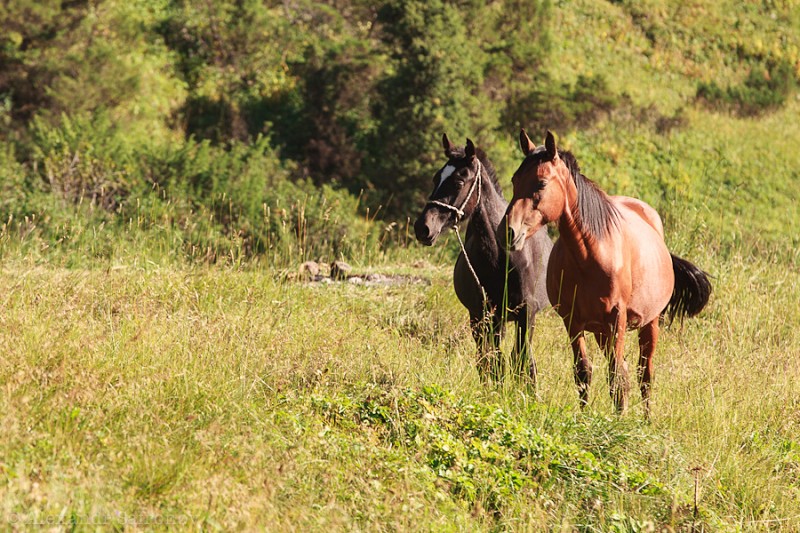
{"type": "Point", "coordinates": [460, 210]}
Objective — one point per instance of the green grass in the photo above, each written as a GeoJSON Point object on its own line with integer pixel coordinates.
{"type": "Point", "coordinates": [226, 398]}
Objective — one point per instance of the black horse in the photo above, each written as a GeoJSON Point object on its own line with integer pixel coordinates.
{"type": "Point", "coordinates": [512, 285]}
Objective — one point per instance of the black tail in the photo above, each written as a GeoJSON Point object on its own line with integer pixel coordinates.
{"type": "Point", "coordinates": [691, 292]}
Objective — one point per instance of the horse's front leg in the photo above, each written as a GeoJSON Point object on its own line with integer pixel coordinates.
{"type": "Point", "coordinates": [523, 360]}
{"type": "Point", "coordinates": [613, 339]}
{"type": "Point", "coordinates": [479, 333]}
{"type": "Point", "coordinates": [487, 332]}
{"type": "Point", "coordinates": [648, 337]}
{"type": "Point", "coordinates": [582, 367]}
{"type": "Point", "coordinates": [496, 334]}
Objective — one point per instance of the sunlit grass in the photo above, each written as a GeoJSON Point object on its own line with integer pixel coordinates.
{"type": "Point", "coordinates": [158, 374]}
{"type": "Point", "coordinates": [180, 393]}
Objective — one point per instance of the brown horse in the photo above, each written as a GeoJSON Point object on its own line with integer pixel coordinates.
{"type": "Point", "coordinates": [610, 269]}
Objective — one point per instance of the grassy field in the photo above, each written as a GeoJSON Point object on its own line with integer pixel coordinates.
{"type": "Point", "coordinates": [152, 397]}
{"type": "Point", "coordinates": [156, 373]}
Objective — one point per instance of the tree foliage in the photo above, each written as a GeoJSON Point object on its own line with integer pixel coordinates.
{"type": "Point", "coordinates": [99, 99]}
{"type": "Point", "coordinates": [353, 93]}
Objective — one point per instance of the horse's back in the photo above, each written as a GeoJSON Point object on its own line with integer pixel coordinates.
{"type": "Point", "coordinates": [642, 209]}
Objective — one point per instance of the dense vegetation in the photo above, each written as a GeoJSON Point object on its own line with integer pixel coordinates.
{"type": "Point", "coordinates": [165, 165]}
{"type": "Point", "coordinates": [227, 122]}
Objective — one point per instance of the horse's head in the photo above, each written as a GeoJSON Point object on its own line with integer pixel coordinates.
{"type": "Point", "coordinates": [540, 192]}
{"type": "Point", "coordinates": [456, 190]}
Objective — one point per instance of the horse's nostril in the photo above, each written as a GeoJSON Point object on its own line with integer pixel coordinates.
{"type": "Point", "coordinates": [423, 232]}
{"type": "Point", "coordinates": [511, 235]}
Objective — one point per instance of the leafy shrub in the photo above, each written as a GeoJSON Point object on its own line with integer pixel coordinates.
{"type": "Point", "coordinates": [559, 108]}
{"type": "Point", "coordinates": [248, 195]}
{"type": "Point", "coordinates": [765, 88]}
{"type": "Point", "coordinates": [85, 158]}
{"type": "Point", "coordinates": [482, 453]}
{"type": "Point", "coordinates": [13, 187]}
{"type": "Point", "coordinates": [201, 200]}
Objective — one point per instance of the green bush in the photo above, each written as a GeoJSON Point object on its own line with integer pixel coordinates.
{"type": "Point", "coordinates": [485, 457]}
{"type": "Point", "coordinates": [765, 88]}
{"type": "Point", "coordinates": [248, 195]}
{"type": "Point", "coordinates": [562, 107]}
{"type": "Point", "coordinates": [85, 158]}
{"type": "Point", "coordinates": [90, 185]}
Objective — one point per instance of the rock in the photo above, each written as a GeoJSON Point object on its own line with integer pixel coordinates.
{"type": "Point", "coordinates": [340, 270]}
{"type": "Point", "coordinates": [288, 276]}
{"type": "Point", "coordinates": [309, 270]}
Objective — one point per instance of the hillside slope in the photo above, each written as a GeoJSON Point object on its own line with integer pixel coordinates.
{"type": "Point", "coordinates": [221, 118]}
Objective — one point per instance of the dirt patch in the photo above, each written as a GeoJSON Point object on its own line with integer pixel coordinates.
{"type": "Point", "coordinates": [340, 272]}
{"type": "Point", "coordinates": [373, 280]}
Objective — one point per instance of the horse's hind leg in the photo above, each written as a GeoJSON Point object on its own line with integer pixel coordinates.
{"type": "Point", "coordinates": [648, 337]}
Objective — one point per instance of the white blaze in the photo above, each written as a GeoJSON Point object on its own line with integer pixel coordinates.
{"type": "Point", "coordinates": [447, 171]}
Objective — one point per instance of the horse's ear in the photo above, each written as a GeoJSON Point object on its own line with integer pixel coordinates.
{"type": "Point", "coordinates": [550, 146]}
{"type": "Point", "coordinates": [469, 151]}
{"type": "Point", "coordinates": [525, 143]}
{"type": "Point", "coordinates": [449, 147]}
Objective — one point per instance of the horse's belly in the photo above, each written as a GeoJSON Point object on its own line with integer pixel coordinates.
{"type": "Point", "coordinates": [648, 305]}
{"type": "Point", "coordinates": [591, 306]}
{"type": "Point", "coordinates": [467, 291]}
{"type": "Point", "coordinates": [493, 281]}
{"type": "Point", "coordinates": [652, 289]}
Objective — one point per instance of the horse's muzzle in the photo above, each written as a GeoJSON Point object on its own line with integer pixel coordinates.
{"type": "Point", "coordinates": [508, 238]}
{"type": "Point", "coordinates": [516, 239]}
{"type": "Point", "coordinates": [423, 232]}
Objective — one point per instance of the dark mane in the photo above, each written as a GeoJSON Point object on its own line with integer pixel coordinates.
{"type": "Point", "coordinates": [596, 214]}
{"type": "Point", "coordinates": [488, 167]}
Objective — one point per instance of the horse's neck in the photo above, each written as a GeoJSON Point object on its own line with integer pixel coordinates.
{"type": "Point", "coordinates": [577, 239]}
{"type": "Point", "coordinates": [486, 217]}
